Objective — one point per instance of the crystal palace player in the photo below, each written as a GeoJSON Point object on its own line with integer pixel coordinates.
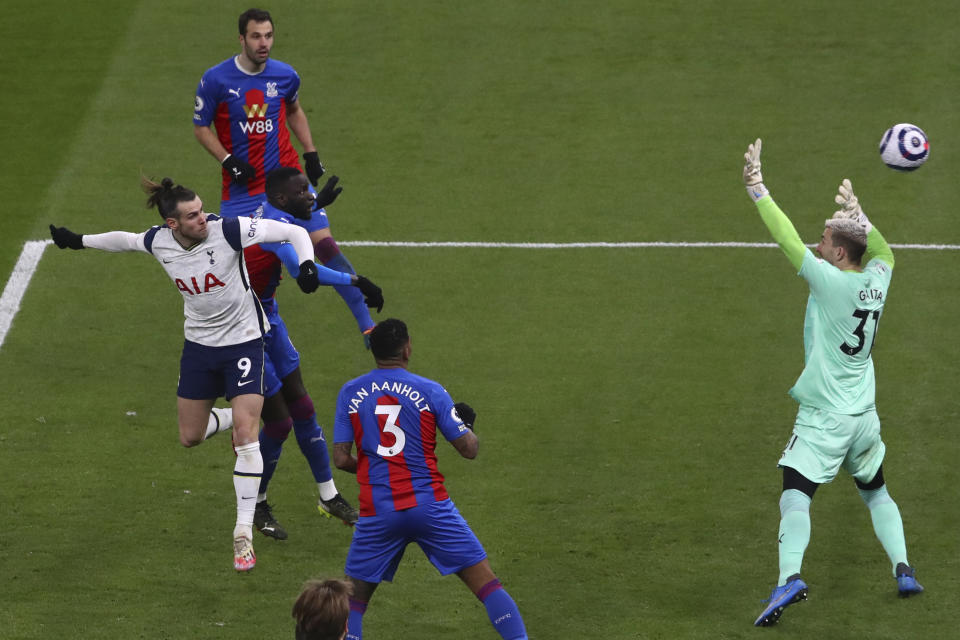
{"type": "Point", "coordinates": [288, 405]}
{"type": "Point", "coordinates": [393, 416]}
{"type": "Point", "coordinates": [251, 100]}
{"type": "Point", "coordinates": [223, 324]}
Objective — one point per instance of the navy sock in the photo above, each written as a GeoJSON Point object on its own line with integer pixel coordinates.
{"type": "Point", "coordinates": [271, 442]}
{"type": "Point", "coordinates": [310, 438]}
{"type": "Point", "coordinates": [502, 611]}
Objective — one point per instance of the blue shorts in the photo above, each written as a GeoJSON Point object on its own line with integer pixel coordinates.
{"type": "Point", "coordinates": [282, 357]}
{"type": "Point", "coordinates": [445, 537]}
{"type": "Point", "coordinates": [212, 372]}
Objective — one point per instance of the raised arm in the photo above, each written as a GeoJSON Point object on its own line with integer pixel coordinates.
{"type": "Point", "coordinates": [110, 241]}
{"type": "Point", "coordinates": [260, 230]}
{"type": "Point", "coordinates": [877, 247]}
{"type": "Point", "coordinates": [779, 225]}
{"type": "Point", "coordinates": [372, 294]}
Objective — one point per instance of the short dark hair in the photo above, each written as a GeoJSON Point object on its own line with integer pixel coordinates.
{"type": "Point", "coordinates": [322, 610]}
{"type": "Point", "coordinates": [253, 15]}
{"type": "Point", "coordinates": [166, 195]}
{"type": "Point", "coordinates": [388, 339]}
{"type": "Point", "coordinates": [277, 179]}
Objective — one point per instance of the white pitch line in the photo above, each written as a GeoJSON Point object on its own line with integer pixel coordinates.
{"type": "Point", "coordinates": [33, 251]}
{"type": "Point", "coordinates": [608, 245]}
{"type": "Point", "coordinates": [17, 284]}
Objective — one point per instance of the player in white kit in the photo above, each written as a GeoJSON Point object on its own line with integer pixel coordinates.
{"type": "Point", "coordinates": [223, 324]}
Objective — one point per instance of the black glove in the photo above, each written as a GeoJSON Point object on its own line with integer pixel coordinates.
{"type": "Point", "coordinates": [328, 194]}
{"type": "Point", "coordinates": [64, 238]}
{"type": "Point", "coordinates": [372, 294]}
{"type": "Point", "coordinates": [466, 413]}
{"type": "Point", "coordinates": [239, 170]}
{"type": "Point", "coordinates": [314, 168]}
{"type": "Point", "coordinates": [308, 279]}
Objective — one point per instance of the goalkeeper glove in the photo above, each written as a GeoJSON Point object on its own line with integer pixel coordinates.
{"type": "Point", "coordinates": [64, 238]}
{"type": "Point", "coordinates": [328, 194]}
{"type": "Point", "coordinates": [850, 206]}
{"type": "Point", "coordinates": [752, 177]}
{"type": "Point", "coordinates": [308, 280]}
{"type": "Point", "coordinates": [313, 166]}
{"type": "Point", "coordinates": [240, 171]}
{"type": "Point", "coordinates": [372, 294]}
{"type": "Point", "coordinates": [466, 413]}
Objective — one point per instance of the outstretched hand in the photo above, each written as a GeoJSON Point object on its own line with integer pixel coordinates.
{"type": "Point", "coordinates": [328, 194]}
{"type": "Point", "coordinates": [64, 238]}
{"type": "Point", "coordinates": [372, 294]}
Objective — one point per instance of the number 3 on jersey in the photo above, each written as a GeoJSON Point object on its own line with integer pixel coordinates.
{"type": "Point", "coordinates": [392, 411]}
{"type": "Point", "coordinates": [863, 314]}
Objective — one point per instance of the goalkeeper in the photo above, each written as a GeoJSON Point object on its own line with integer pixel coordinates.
{"type": "Point", "coordinates": [836, 425]}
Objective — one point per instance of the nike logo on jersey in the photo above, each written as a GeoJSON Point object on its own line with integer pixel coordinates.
{"type": "Point", "coordinates": [240, 384]}
{"type": "Point", "coordinates": [235, 92]}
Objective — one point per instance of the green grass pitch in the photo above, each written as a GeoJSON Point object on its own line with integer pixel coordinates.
{"type": "Point", "coordinates": [632, 402]}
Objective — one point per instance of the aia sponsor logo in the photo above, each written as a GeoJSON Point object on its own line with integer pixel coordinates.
{"type": "Point", "coordinates": [193, 288]}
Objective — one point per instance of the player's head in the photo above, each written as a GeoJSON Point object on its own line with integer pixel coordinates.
{"type": "Point", "coordinates": [390, 342]}
{"type": "Point", "coordinates": [289, 190]}
{"type": "Point", "coordinates": [256, 35]}
{"type": "Point", "coordinates": [843, 240]}
{"type": "Point", "coordinates": [179, 206]}
{"type": "Point", "coordinates": [322, 609]}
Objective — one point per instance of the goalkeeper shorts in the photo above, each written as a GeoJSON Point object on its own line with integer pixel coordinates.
{"type": "Point", "coordinates": [822, 442]}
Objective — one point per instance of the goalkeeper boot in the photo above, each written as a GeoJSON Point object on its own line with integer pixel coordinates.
{"type": "Point", "coordinates": [243, 556]}
{"type": "Point", "coordinates": [907, 584]}
{"type": "Point", "coordinates": [337, 507]}
{"type": "Point", "coordinates": [264, 521]}
{"type": "Point", "coordinates": [782, 597]}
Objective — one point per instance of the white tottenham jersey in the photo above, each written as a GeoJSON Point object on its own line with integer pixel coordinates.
{"type": "Point", "coordinates": [219, 307]}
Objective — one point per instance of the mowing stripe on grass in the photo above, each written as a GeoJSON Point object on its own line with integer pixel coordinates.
{"type": "Point", "coordinates": [17, 284]}
{"type": "Point", "coordinates": [33, 251]}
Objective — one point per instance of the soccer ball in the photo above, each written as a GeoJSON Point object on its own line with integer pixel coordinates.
{"type": "Point", "coordinates": [904, 147]}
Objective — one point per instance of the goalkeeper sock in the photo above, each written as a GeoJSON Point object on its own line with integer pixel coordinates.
{"type": "Point", "coordinates": [887, 524]}
{"type": "Point", "coordinates": [502, 611]}
{"type": "Point", "coordinates": [272, 437]}
{"type": "Point", "coordinates": [331, 257]}
{"type": "Point", "coordinates": [355, 621]}
{"type": "Point", "coordinates": [219, 420]}
{"type": "Point", "coordinates": [246, 479]}
{"type": "Point", "coordinates": [794, 532]}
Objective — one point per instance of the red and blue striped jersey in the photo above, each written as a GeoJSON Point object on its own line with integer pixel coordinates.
{"type": "Point", "coordinates": [249, 113]}
{"type": "Point", "coordinates": [393, 416]}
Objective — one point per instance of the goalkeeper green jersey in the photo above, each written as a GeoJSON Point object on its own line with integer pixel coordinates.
{"type": "Point", "coordinates": [840, 326]}
{"type": "Point", "coordinates": [839, 329]}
